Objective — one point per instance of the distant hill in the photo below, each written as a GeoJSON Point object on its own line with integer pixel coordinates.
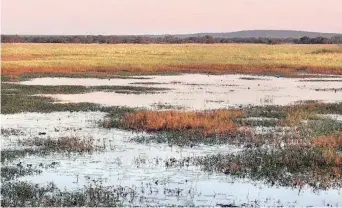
{"type": "Point", "coordinates": [262, 33]}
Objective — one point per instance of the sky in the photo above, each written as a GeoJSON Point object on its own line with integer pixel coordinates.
{"type": "Point", "coordinates": [136, 17]}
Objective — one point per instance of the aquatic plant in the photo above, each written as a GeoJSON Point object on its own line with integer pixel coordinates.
{"type": "Point", "coordinates": [62, 144]}
{"type": "Point", "coordinates": [24, 194]}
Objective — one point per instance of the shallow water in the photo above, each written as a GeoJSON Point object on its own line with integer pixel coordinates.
{"type": "Point", "coordinates": [198, 91]}
{"type": "Point", "coordinates": [142, 167]}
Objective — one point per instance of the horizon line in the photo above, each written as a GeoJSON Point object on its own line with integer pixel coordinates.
{"type": "Point", "coordinates": [190, 33]}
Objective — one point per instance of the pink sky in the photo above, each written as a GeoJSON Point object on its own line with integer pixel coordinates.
{"type": "Point", "coordinates": [167, 16]}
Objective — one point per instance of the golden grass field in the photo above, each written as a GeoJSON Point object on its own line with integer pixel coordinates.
{"type": "Point", "coordinates": [287, 59]}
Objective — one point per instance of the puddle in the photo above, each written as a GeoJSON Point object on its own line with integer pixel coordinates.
{"type": "Point", "coordinates": [142, 167]}
{"type": "Point", "coordinates": [198, 91]}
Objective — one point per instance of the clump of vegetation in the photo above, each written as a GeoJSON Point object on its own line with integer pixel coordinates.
{"type": "Point", "coordinates": [24, 194]}
{"type": "Point", "coordinates": [17, 103]}
{"type": "Point", "coordinates": [252, 78]}
{"type": "Point", "coordinates": [330, 89]}
{"type": "Point", "coordinates": [10, 155]}
{"type": "Point", "coordinates": [293, 114]}
{"type": "Point", "coordinates": [292, 166]}
{"type": "Point", "coordinates": [180, 138]}
{"type": "Point", "coordinates": [320, 80]}
{"type": "Point", "coordinates": [23, 103]}
{"type": "Point", "coordinates": [148, 83]}
{"type": "Point", "coordinates": [318, 128]}
{"type": "Point", "coordinates": [63, 144]}
{"type": "Point", "coordinates": [259, 121]}
{"type": "Point", "coordinates": [219, 122]}
{"type": "Point", "coordinates": [11, 131]}
{"type": "Point", "coordinates": [12, 172]}
{"type": "Point", "coordinates": [17, 98]}
{"type": "Point", "coordinates": [296, 114]}
{"type": "Point", "coordinates": [9, 88]}
{"type": "Point", "coordinates": [166, 106]}
{"type": "Point", "coordinates": [331, 142]}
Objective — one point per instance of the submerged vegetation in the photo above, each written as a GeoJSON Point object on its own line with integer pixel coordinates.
{"type": "Point", "coordinates": [292, 166]}
{"type": "Point", "coordinates": [43, 146]}
{"type": "Point", "coordinates": [9, 88]}
{"type": "Point", "coordinates": [9, 155]}
{"type": "Point", "coordinates": [21, 98]}
{"type": "Point", "coordinates": [12, 172]}
{"type": "Point", "coordinates": [63, 144]}
{"type": "Point", "coordinates": [24, 194]}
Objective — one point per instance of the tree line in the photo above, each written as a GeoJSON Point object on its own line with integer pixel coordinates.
{"type": "Point", "coordinates": [112, 39]}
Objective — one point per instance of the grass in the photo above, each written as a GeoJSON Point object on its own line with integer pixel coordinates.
{"type": "Point", "coordinates": [296, 114]}
{"type": "Point", "coordinates": [43, 146]}
{"type": "Point", "coordinates": [251, 78]}
{"type": "Point", "coordinates": [331, 142]}
{"type": "Point", "coordinates": [190, 128]}
{"type": "Point", "coordinates": [63, 144]}
{"type": "Point", "coordinates": [11, 131]}
{"type": "Point", "coordinates": [293, 166]}
{"type": "Point", "coordinates": [264, 122]}
{"type": "Point", "coordinates": [12, 172]}
{"type": "Point", "coordinates": [219, 122]}
{"type": "Point", "coordinates": [327, 51]}
{"type": "Point", "coordinates": [22, 98]}
{"type": "Point", "coordinates": [320, 128]}
{"type": "Point", "coordinates": [181, 138]}
{"type": "Point", "coordinates": [8, 88]}
{"type": "Point", "coordinates": [17, 99]}
{"type": "Point", "coordinates": [99, 75]}
{"type": "Point", "coordinates": [320, 80]}
{"type": "Point", "coordinates": [306, 109]}
{"type": "Point", "coordinates": [10, 155]}
{"type": "Point", "coordinates": [24, 194]}
{"type": "Point", "coordinates": [330, 89]}
{"type": "Point", "coordinates": [22, 103]}
{"type": "Point", "coordinates": [307, 154]}
{"type": "Point", "coordinates": [101, 60]}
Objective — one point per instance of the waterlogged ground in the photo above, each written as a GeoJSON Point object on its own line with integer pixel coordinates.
{"type": "Point", "coordinates": [198, 91]}
{"type": "Point", "coordinates": [162, 173]}
{"type": "Point", "coordinates": [143, 167]}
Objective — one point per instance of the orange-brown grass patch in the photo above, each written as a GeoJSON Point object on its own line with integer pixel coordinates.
{"type": "Point", "coordinates": [330, 144]}
{"type": "Point", "coordinates": [332, 157]}
{"type": "Point", "coordinates": [333, 141]}
{"type": "Point", "coordinates": [219, 122]}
